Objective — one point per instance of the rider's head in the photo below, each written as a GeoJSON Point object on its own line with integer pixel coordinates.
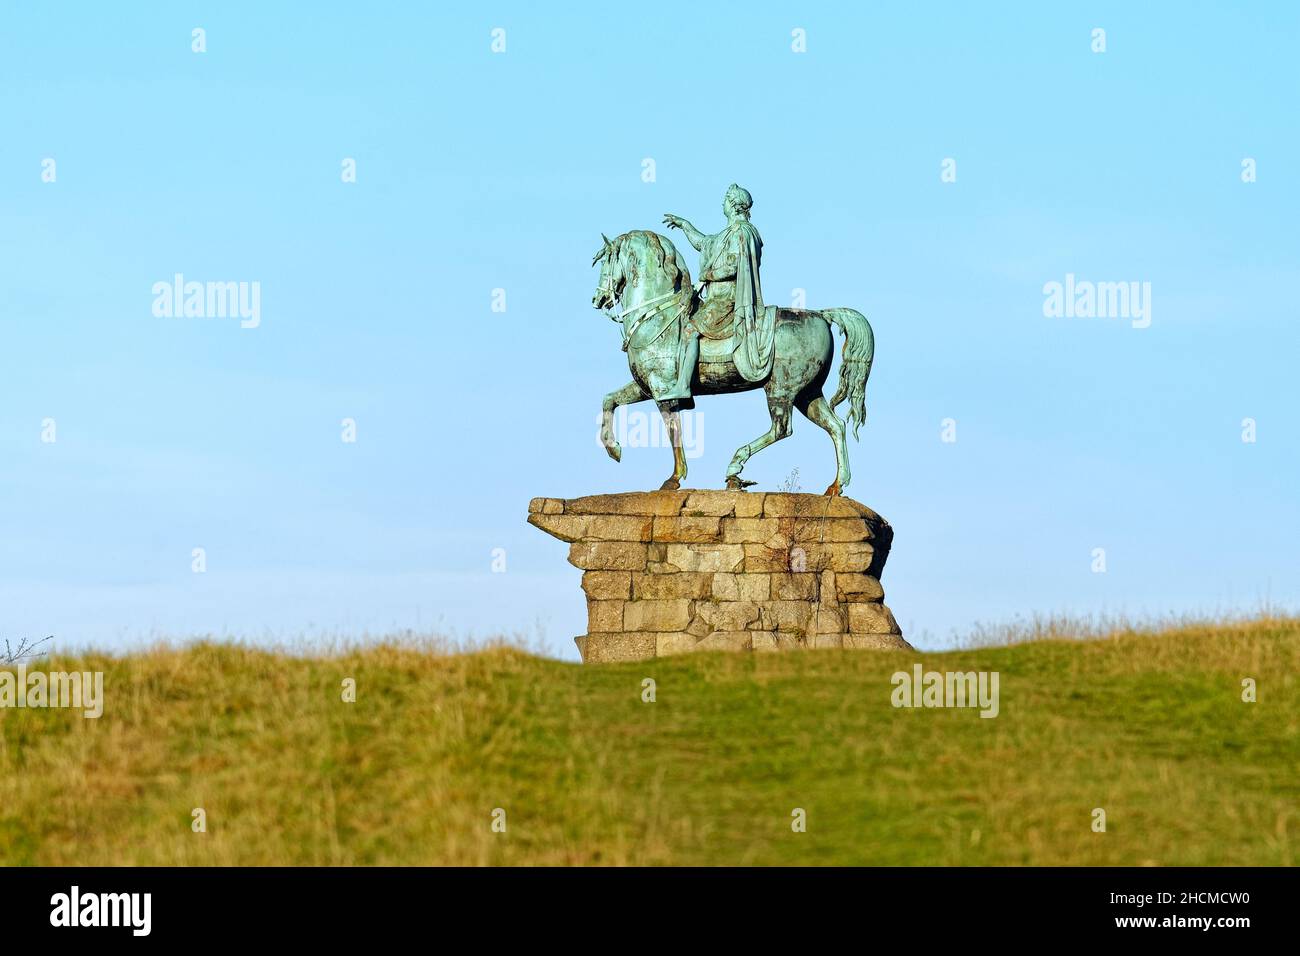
{"type": "Point", "coordinates": [737, 200]}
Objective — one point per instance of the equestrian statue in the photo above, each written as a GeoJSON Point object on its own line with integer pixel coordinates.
{"type": "Point", "coordinates": [716, 337]}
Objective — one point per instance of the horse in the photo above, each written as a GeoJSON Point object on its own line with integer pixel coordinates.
{"type": "Point", "coordinates": [644, 276]}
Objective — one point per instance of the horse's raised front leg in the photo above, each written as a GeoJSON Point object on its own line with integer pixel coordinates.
{"type": "Point", "coordinates": [629, 394]}
{"type": "Point", "coordinates": [819, 411]}
{"type": "Point", "coordinates": [779, 408]}
{"type": "Point", "coordinates": [673, 421]}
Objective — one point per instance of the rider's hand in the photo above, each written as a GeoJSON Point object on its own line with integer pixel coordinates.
{"type": "Point", "coordinates": [672, 222]}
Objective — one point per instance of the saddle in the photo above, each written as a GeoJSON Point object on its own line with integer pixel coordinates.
{"type": "Point", "coordinates": [720, 350]}
{"type": "Point", "coordinates": [717, 350]}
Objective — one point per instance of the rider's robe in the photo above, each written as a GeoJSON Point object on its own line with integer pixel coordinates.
{"type": "Point", "coordinates": [730, 291]}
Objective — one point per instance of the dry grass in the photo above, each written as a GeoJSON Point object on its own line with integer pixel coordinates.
{"type": "Point", "coordinates": [1149, 726]}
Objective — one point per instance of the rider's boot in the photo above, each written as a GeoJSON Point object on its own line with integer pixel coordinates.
{"type": "Point", "coordinates": [690, 355]}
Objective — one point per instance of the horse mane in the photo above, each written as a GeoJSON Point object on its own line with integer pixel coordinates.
{"type": "Point", "coordinates": [660, 249]}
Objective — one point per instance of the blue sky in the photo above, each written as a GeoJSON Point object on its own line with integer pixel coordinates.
{"type": "Point", "coordinates": [479, 170]}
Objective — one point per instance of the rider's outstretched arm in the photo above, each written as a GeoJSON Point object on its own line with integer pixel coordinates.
{"type": "Point", "coordinates": [693, 235]}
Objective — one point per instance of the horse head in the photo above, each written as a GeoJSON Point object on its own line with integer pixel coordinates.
{"type": "Point", "coordinates": [639, 257]}
{"type": "Point", "coordinates": [610, 284]}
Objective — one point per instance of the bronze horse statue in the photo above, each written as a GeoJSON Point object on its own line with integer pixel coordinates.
{"type": "Point", "coordinates": [644, 276]}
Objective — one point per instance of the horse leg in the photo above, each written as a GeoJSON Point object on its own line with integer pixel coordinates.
{"type": "Point", "coordinates": [778, 406]}
{"type": "Point", "coordinates": [816, 409]}
{"type": "Point", "coordinates": [629, 394]}
{"type": "Point", "coordinates": [673, 421]}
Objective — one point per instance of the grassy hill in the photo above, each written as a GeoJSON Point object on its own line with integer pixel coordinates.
{"type": "Point", "coordinates": [1149, 727]}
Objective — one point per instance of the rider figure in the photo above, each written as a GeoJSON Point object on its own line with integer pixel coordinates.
{"type": "Point", "coordinates": [731, 298]}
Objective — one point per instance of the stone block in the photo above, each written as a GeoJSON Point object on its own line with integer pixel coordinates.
{"type": "Point", "coordinates": [637, 503]}
{"type": "Point", "coordinates": [600, 648]}
{"type": "Point", "coordinates": [678, 530]}
{"type": "Point", "coordinates": [705, 557]}
{"type": "Point", "coordinates": [828, 621]}
{"type": "Point", "coordinates": [858, 587]}
{"type": "Point", "coordinates": [759, 559]}
{"type": "Point", "coordinates": [684, 584]}
{"type": "Point", "coordinates": [794, 586]}
{"type": "Point", "coordinates": [608, 555]}
{"type": "Point", "coordinates": [853, 556]}
{"type": "Point", "coordinates": [741, 587]}
{"type": "Point", "coordinates": [671, 615]}
{"type": "Point", "coordinates": [747, 530]}
{"type": "Point", "coordinates": [871, 619]}
{"type": "Point", "coordinates": [607, 585]}
{"type": "Point", "coordinates": [826, 589]}
{"type": "Point", "coordinates": [726, 641]}
{"type": "Point", "coordinates": [723, 503]}
{"type": "Point", "coordinates": [787, 615]}
{"type": "Point", "coordinates": [815, 506]}
{"type": "Point", "coordinates": [669, 643]}
{"type": "Point", "coordinates": [728, 615]}
{"type": "Point", "coordinates": [568, 527]}
{"type": "Point", "coordinates": [604, 615]}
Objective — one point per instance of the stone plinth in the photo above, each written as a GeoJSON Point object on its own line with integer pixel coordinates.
{"type": "Point", "coordinates": [668, 572]}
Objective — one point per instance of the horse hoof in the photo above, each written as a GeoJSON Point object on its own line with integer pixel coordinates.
{"type": "Point", "coordinates": [736, 483]}
{"type": "Point", "coordinates": [833, 491]}
{"type": "Point", "coordinates": [672, 484]}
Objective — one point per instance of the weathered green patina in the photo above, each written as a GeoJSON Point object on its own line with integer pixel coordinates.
{"type": "Point", "coordinates": [746, 344]}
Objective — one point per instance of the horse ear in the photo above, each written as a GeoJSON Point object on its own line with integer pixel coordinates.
{"type": "Point", "coordinates": [605, 250]}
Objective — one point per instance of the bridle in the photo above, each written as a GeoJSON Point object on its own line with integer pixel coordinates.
{"type": "Point", "coordinates": [648, 309]}
{"type": "Point", "coordinates": [651, 307]}
{"type": "Point", "coordinates": [606, 285]}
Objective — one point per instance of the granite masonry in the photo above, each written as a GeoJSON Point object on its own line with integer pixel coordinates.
{"type": "Point", "coordinates": [669, 572]}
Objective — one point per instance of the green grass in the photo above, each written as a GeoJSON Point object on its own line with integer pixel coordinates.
{"type": "Point", "coordinates": [1150, 727]}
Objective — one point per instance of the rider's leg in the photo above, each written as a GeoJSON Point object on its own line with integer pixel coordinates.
{"type": "Point", "coordinates": [689, 356]}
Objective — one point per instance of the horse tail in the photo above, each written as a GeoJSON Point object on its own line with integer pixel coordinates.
{"type": "Point", "coordinates": [855, 362]}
